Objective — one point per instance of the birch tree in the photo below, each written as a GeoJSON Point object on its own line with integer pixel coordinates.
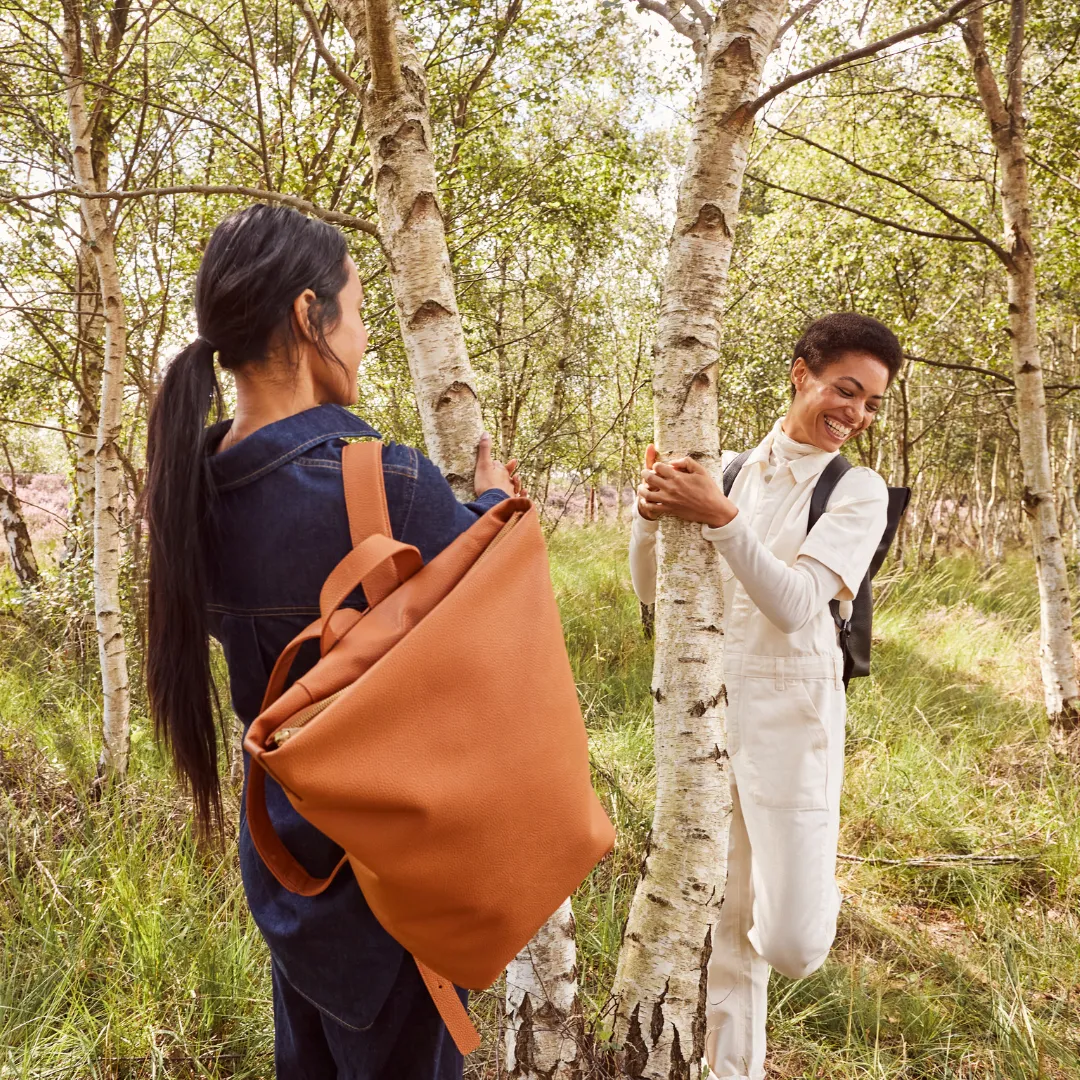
{"type": "Point", "coordinates": [1004, 113]}
{"type": "Point", "coordinates": [660, 981]}
{"type": "Point", "coordinates": [89, 326]}
{"type": "Point", "coordinates": [397, 124]}
{"type": "Point", "coordinates": [108, 472]}
{"type": "Point", "coordinates": [661, 978]}
{"type": "Point", "coordinates": [542, 1015]}
{"type": "Point", "coordinates": [17, 535]}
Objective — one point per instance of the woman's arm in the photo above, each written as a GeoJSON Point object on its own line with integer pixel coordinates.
{"type": "Point", "coordinates": [435, 518]}
{"type": "Point", "coordinates": [831, 563]}
{"type": "Point", "coordinates": [643, 557]}
{"type": "Point", "coordinates": [788, 596]}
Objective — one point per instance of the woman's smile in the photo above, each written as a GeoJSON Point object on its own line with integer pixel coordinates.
{"type": "Point", "coordinates": [839, 430]}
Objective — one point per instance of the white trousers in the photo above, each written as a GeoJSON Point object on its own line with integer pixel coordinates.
{"type": "Point", "coordinates": [781, 903]}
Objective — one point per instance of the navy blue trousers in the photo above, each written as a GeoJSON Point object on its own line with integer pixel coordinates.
{"type": "Point", "coordinates": [407, 1041]}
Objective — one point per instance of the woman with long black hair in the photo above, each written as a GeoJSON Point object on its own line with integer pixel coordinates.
{"type": "Point", "coordinates": [247, 519]}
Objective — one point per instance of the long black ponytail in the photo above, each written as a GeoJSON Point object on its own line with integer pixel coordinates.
{"type": "Point", "coordinates": [258, 261]}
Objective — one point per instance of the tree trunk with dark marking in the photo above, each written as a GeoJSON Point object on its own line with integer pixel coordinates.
{"type": "Point", "coordinates": [1005, 116]}
{"type": "Point", "coordinates": [17, 535]}
{"type": "Point", "coordinates": [660, 984]}
{"type": "Point", "coordinates": [398, 128]}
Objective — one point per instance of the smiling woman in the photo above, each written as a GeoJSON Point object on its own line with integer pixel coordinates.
{"type": "Point", "coordinates": [783, 668]}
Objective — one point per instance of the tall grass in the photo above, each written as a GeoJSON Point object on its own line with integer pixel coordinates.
{"type": "Point", "coordinates": [128, 952]}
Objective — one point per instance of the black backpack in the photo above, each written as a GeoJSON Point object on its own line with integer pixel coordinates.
{"type": "Point", "coordinates": [855, 633]}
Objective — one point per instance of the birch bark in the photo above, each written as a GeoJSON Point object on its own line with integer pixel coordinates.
{"type": "Point", "coordinates": [91, 331]}
{"type": "Point", "coordinates": [108, 476]}
{"type": "Point", "coordinates": [17, 535]}
{"type": "Point", "coordinates": [1005, 116]}
{"type": "Point", "coordinates": [544, 1022]}
{"type": "Point", "coordinates": [660, 982]}
{"type": "Point", "coordinates": [397, 123]}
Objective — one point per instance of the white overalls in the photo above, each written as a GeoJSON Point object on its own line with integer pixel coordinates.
{"type": "Point", "coordinates": [785, 724]}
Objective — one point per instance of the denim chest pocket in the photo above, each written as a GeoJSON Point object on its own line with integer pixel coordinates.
{"type": "Point", "coordinates": [784, 743]}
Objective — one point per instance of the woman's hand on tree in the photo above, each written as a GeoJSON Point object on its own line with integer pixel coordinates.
{"type": "Point", "coordinates": [647, 511]}
{"type": "Point", "coordinates": [684, 489]}
{"type": "Point", "coordinates": [491, 473]}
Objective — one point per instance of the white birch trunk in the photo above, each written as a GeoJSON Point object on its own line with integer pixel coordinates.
{"type": "Point", "coordinates": [17, 535]}
{"type": "Point", "coordinates": [660, 982]}
{"type": "Point", "coordinates": [1068, 482]}
{"type": "Point", "coordinates": [1006, 121]}
{"type": "Point", "coordinates": [397, 124]}
{"type": "Point", "coordinates": [543, 1016]}
{"type": "Point", "coordinates": [108, 477]}
{"type": "Point", "coordinates": [91, 331]}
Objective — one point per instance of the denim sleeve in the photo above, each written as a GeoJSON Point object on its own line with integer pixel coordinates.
{"type": "Point", "coordinates": [435, 517]}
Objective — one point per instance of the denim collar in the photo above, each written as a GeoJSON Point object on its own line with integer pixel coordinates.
{"type": "Point", "coordinates": [272, 446]}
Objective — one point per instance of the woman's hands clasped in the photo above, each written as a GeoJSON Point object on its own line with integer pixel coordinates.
{"type": "Point", "coordinates": [494, 474]}
{"type": "Point", "coordinates": [684, 489]}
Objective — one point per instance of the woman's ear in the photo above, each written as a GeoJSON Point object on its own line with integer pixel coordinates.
{"type": "Point", "coordinates": [302, 315]}
{"type": "Point", "coordinates": [799, 373]}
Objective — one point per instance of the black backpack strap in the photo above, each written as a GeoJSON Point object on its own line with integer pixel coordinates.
{"type": "Point", "coordinates": [733, 469]}
{"type": "Point", "coordinates": [819, 502]}
{"type": "Point", "coordinates": [825, 486]}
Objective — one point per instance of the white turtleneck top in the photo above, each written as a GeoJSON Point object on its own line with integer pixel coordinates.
{"type": "Point", "coordinates": [788, 596]}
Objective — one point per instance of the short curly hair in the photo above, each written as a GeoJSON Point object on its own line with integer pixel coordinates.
{"type": "Point", "coordinates": [829, 337]}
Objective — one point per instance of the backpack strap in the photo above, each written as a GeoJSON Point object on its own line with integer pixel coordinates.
{"type": "Point", "coordinates": [365, 502]}
{"type": "Point", "coordinates": [733, 470]}
{"type": "Point", "coordinates": [825, 486]}
{"type": "Point", "coordinates": [454, 1015]}
{"type": "Point", "coordinates": [365, 491]}
{"type": "Point", "coordinates": [819, 503]}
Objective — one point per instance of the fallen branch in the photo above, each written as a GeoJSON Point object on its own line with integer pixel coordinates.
{"type": "Point", "coordinates": [940, 860]}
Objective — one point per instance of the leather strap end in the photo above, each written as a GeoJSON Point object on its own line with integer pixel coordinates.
{"type": "Point", "coordinates": [454, 1014]}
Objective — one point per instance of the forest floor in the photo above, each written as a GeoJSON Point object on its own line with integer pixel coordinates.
{"type": "Point", "coordinates": [128, 953]}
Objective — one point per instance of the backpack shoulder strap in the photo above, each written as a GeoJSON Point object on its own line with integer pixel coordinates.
{"type": "Point", "coordinates": [365, 503]}
{"type": "Point", "coordinates": [365, 492]}
{"type": "Point", "coordinates": [733, 470]}
{"type": "Point", "coordinates": [825, 486]}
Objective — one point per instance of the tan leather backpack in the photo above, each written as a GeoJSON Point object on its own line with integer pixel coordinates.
{"type": "Point", "coordinates": [438, 740]}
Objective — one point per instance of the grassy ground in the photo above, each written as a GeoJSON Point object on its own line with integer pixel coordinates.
{"type": "Point", "coordinates": [128, 953]}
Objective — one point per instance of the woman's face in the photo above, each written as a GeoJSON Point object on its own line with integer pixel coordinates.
{"type": "Point", "coordinates": [835, 406]}
{"type": "Point", "coordinates": [348, 341]}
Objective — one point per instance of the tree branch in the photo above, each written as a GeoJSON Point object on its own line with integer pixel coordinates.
{"type": "Point", "coordinates": [319, 42]}
{"type": "Point", "coordinates": [856, 54]}
{"type": "Point", "coordinates": [865, 213]}
{"type": "Point", "coordinates": [795, 16]}
{"type": "Point", "coordinates": [333, 217]}
{"type": "Point", "coordinates": [1053, 172]}
{"type": "Point", "coordinates": [689, 28]}
{"type": "Point", "coordinates": [988, 372]}
{"type": "Point", "coordinates": [42, 427]}
{"type": "Point", "coordinates": [977, 233]}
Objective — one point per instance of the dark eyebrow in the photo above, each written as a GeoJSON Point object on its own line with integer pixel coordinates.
{"type": "Point", "coordinates": [851, 378]}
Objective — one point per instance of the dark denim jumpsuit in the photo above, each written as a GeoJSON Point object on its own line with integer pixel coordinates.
{"type": "Point", "coordinates": [348, 1001]}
